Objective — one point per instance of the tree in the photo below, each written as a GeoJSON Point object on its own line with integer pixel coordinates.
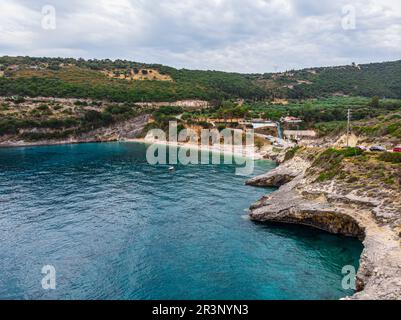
{"type": "Point", "coordinates": [259, 144]}
{"type": "Point", "coordinates": [375, 103]}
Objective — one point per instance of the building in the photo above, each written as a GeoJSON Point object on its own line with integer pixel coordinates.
{"type": "Point", "coordinates": [291, 120]}
{"type": "Point", "coordinates": [13, 67]}
{"type": "Point", "coordinates": [299, 134]}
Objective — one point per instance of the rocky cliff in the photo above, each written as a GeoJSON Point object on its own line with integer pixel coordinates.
{"type": "Point", "coordinates": [344, 193]}
{"type": "Point", "coordinates": [129, 129]}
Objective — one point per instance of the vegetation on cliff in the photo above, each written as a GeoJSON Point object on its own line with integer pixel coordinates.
{"type": "Point", "coordinates": [331, 160]}
{"type": "Point", "coordinates": [45, 119]}
{"type": "Point", "coordinates": [382, 126]}
{"type": "Point", "coordinates": [356, 168]}
{"type": "Point", "coordinates": [343, 191]}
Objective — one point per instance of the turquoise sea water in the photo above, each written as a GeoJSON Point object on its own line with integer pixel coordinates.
{"type": "Point", "coordinates": [115, 227]}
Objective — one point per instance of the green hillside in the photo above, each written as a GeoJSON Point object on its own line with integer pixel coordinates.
{"type": "Point", "coordinates": [87, 79]}
{"type": "Point", "coordinates": [80, 78]}
{"type": "Point", "coordinates": [381, 79]}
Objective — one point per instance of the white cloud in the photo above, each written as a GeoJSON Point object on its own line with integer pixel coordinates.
{"type": "Point", "coordinates": [233, 35]}
{"type": "Point", "coordinates": [17, 25]}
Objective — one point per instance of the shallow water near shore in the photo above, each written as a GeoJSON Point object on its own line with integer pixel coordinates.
{"type": "Point", "coordinates": [115, 227]}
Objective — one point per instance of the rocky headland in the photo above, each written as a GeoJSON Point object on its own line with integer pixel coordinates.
{"type": "Point", "coordinates": [128, 129]}
{"type": "Point", "coordinates": [345, 192]}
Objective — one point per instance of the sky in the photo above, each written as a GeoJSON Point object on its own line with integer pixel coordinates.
{"type": "Point", "coordinates": [254, 36]}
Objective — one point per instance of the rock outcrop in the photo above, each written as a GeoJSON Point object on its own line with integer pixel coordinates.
{"type": "Point", "coordinates": [335, 206]}
{"type": "Point", "coordinates": [129, 129]}
{"type": "Point", "coordinates": [279, 176]}
{"type": "Point", "coordinates": [186, 104]}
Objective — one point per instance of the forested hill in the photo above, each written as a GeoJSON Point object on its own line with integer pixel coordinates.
{"type": "Point", "coordinates": [122, 80]}
{"type": "Point", "coordinates": [119, 81]}
{"type": "Point", "coordinates": [375, 79]}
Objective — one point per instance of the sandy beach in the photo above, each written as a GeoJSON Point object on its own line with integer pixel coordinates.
{"type": "Point", "coordinates": [238, 151]}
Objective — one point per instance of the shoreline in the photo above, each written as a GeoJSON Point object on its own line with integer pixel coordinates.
{"type": "Point", "coordinates": [288, 207]}
{"type": "Point", "coordinates": [249, 152]}
{"type": "Point", "coordinates": [246, 152]}
{"type": "Point", "coordinates": [44, 143]}
{"type": "Point", "coordinates": [301, 201]}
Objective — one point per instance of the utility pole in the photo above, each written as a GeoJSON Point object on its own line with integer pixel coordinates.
{"type": "Point", "coordinates": [348, 126]}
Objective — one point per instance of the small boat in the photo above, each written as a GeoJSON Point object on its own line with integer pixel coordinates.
{"type": "Point", "coordinates": [171, 169]}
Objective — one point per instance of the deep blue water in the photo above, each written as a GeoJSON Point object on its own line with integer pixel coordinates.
{"type": "Point", "coordinates": [115, 227]}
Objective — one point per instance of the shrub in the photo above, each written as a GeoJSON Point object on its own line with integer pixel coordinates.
{"type": "Point", "coordinates": [259, 143]}
{"type": "Point", "coordinates": [92, 116]}
{"type": "Point", "coordinates": [394, 117]}
{"type": "Point", "coordinates": [43, 107]}
{"type": "Point", "coordinates": [336, 155]}
{"type": "Point", "coordinates": [36, 136]}
{"type": "Point", "coordinates": [291, 153]}
{"type": "Point", "coordinates": [333, 128]}
{"type": "Point", "coordinates": [4, 107]}
{"type": "Point", "coordinates": [392, 157]}
{"type": "Point", "coordinates": [107, 118]}
{"type": "Point", "coordinates": [395, 129]}
{"type": "Point", "coordinates": [97, 119]}
{"type": "Point", "coordinates": [97, 103]}
{"type": "Point", "coordinates": [18, 100]}
{"type": "Point", "coordinates": [324, 176]}
{"type": "Point", "coordinates": [350, 152]}
{"type": "Point", "coordinates": [331, 159]}
{"type": "Point", "coordinates": [168, 110]}
{"type": "Point", "coordinates": [205, 125]}
{"type": "Point", "coordinates": [117, 109]}
{"type": "Point", "coordinates": [221, 127]}
{"type": "Point", "coordinates": [187, 116]}
{"type": "Point", "coordinates": [8, 127]}
{"type": "Point", "coordinates": [57, 123]}
{"type": "Point", "coordinates": [81, 103]}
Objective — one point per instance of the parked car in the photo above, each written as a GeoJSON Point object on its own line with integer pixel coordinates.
{"type": "Point", "coordinates": [397, 149]}
{"type": "Point", "coordinates": [363, 148]}
{"type": "Point", "coordinates": [378, 149]}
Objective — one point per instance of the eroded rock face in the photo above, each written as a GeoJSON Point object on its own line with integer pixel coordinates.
{"type": "Point", "coordinates": [271, 180]}
{"type": "Point", "coordinates": [128, 129]}
{"type": "Point", "coordinates": [280, 176]}
{"type": "Point", "coordinates": [330, 206]}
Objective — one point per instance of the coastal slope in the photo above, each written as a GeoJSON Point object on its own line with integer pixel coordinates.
{"type": "Point", "coordinates": [344, 192]}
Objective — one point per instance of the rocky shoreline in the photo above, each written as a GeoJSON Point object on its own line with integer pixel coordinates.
{"type": "Point", "coordinates": [373, 217]}
{"type": "Point", "coordinates": [129, 129]}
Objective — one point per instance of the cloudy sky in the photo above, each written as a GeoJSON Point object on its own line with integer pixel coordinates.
{"type": "Point", "coordinates": [230, 35]}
